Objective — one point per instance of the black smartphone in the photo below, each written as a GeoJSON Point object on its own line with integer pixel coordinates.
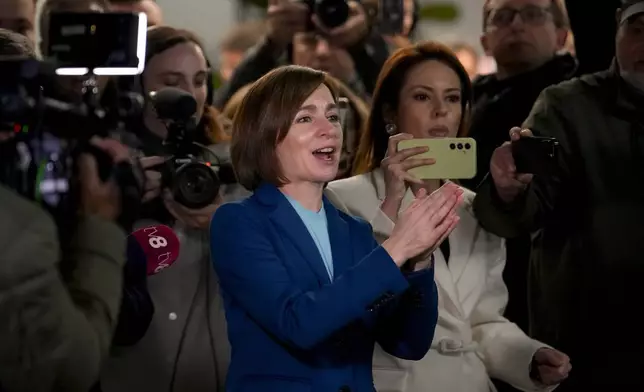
{"type": "Point", "coordinates": [391, 14]}
{"type": "Point", "coordinates": [535, 155]}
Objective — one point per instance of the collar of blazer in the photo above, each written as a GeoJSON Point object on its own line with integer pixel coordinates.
{"type": "Point", "coordinates": [286, 219]}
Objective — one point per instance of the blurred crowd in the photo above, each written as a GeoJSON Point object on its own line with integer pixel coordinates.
{"type": "Point", "coordinates": [530, 281]}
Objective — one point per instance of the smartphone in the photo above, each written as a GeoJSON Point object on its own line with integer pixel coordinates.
{"type": "Point", "coordinates": [391, 15]}
{"type": "Point", "coordinates": [535, 155]}
{"type": "Point", "coordinates": [100, 43]}
{"type": "Point", "coordinates": [455, 158]}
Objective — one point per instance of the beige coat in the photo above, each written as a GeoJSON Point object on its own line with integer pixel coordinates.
{"type": "Point", "coordinates": [187, 334]}
{"type": "Point", "coordinates": [472, 342]}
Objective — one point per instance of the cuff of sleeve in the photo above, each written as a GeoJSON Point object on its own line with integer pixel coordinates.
{"type": "Point", "coordinates": [421, 274]}
{"type": "Point", "coordinates": [524, 355]}
{"type": "Point", "coordinates": [388, 272]}
{"type": "Point", "coordinates": [516, 205]}
{"type": "Point", "coordinates": [381, 224]}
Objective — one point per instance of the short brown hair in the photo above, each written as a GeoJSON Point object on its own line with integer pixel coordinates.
{"type": "Point", "coordinates": [374, 139]}
{"type": "Point", "coordinates": [558, 8]}
{"type": "Point", "coordinates": [263, 119]}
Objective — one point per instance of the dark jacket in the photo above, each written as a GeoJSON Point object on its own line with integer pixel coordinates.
{"type": "Point", "coordinates": [56, 329]}
{"type": "Point", "coordinates": [498, 106]}
{"type": "Point", "coordinates": [586, 264]}
{"type": "Point", "coordinates": [502, 104]}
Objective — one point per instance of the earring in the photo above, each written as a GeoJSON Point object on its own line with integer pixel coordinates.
{"type": "Point", "coordinates": [391, 129]}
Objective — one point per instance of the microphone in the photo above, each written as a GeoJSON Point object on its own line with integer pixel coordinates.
{"type": "Point", "coordinates": [174, 104]}
{"type": "Point", "coordinates": [150, 250]}
{"type": "Point", "coordinates": [154, 248]}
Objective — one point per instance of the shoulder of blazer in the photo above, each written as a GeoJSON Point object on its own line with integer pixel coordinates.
{"type": "Point", "coordinates": [247, 209]}
{"type": "Point", "coordinates": [354, 222]}
{"type": "Point", "coordinates": [351, 184]}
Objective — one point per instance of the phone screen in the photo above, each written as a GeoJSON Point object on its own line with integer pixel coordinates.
{"type": "Point", "coordinates": [51, 162]}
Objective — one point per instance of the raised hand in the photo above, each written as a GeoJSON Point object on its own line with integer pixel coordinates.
{"type": "Point", "coordinates": [509, 184]}
{"type": "Point", "coordinates": [423, 225]}
{"type": "Point", "coordinates": [285, 18]}
{"type": "Point", "coordinates": [397, 179]}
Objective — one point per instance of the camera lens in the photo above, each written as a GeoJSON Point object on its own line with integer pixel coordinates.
{"type": "Point", "coordinates": [196, 185]}
{"type": "Point", "coordinates": [452, 146]}
{"type": "Point", "coordinates": [460, 146]}
{"type": "Point", "coordinates": [332, 13]}
{"type": "Point", "coordinates": [468, 146]}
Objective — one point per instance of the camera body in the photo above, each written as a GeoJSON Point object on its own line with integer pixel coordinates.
{"type": "Point", "coordinates": [194, 181]}
{"type": "Point", "coordinates": [52, 125]}
{"type": "Point", "coordinates": [332, 13]}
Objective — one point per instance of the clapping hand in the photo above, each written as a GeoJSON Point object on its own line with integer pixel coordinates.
{"type": "Point", "coordinates": [552, 366]}
{"type": "Point", "coordinates": [426, 223]}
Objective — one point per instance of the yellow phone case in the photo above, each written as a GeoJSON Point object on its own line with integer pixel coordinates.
{"type": "Point", "coordinates": [455, 158]}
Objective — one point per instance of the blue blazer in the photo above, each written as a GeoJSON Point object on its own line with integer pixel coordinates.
{"type": "Point", "coordinates": [293, 330]}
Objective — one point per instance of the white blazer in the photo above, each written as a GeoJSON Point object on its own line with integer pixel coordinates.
{"type": "Point", "coordinates": [473, 341]}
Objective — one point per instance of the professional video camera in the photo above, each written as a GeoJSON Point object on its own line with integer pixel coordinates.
{"type": "Point", "coordinates": [332, 13]}
{"type": "Point", "coordinates": [51, 128]}
{"type": "Point", "coordinates": [194, 181]}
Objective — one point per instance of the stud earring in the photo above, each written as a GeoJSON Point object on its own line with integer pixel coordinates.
{"type": "Point", "coordinates": [391, 129]}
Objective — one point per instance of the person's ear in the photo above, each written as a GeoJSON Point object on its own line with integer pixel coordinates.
{"type": "Point", "coordinates": [562, 38]}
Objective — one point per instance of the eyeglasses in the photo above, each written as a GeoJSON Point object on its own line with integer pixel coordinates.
{"type": "Point", "coordinates": [531, 14]}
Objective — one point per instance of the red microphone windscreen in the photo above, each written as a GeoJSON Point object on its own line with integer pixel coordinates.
{"type": "Point", "coordinates": [160, 246]}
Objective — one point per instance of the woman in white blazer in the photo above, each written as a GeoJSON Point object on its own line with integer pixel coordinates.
{"type": "Point", "coordinates": [424, 92]}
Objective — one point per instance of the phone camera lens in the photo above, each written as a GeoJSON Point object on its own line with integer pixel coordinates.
{"type": "Point", "coordinates": [467, 146]}
{"type": "Point", "coordinates": [452, 146]}
{"type": "Point", "coordinates": [460, 146]}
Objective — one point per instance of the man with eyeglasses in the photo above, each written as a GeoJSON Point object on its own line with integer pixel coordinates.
{"type": "Point", "coordinates": [525, 38]}
{"type": "Point", "coordinates": [587, 262]}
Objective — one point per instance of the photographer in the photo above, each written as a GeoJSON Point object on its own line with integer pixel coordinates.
{"type": "Point", "coordinates": [185, 348]}
{"type": "Point", "coordinates": [350, 52]}
{"type": "Point", "coordinates": [58, 312]}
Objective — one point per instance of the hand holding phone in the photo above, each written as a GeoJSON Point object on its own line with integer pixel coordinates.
{"type": "Point", "coordinates": [535, 155]}
{"type": "Point", "coordinates": [512, 178]}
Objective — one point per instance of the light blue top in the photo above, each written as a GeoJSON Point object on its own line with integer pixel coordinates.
{"type": "Point", "coordinates": [318, 228]}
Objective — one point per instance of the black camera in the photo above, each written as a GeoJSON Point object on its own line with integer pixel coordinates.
{"type": "Point", "coordinates": [332, 13]}
{"type": "Point", "coordinates": [52, 126]}
{"type": "Point", "coordinates": [193, 181]}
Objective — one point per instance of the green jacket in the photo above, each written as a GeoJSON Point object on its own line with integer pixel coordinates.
{"type": "Point", "coordinates": [587, 221]}
{"type": "Point", "coordinates": [55, 334]}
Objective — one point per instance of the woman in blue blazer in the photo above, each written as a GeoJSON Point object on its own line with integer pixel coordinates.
{"type": "Point", "coordinates": [308, 290]}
